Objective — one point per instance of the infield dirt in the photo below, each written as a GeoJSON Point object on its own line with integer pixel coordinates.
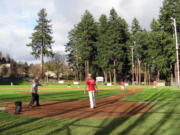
{"type": "Point", "coordinates": [109, 107]}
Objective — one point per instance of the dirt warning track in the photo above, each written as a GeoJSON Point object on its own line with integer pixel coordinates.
{"type": "Point", "coordinates": [110, 107]}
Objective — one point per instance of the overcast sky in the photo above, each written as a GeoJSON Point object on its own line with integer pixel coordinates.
{"type": "Point", "coordinates": [18, 18]}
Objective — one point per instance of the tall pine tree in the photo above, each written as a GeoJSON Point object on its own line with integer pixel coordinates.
{"type": "Point", "coordinates": [136, 31]}
{"type": "Point", "coordinates": [41, 39]}
{"type": "Point", "coordinates": [162, 51]}
{"type": "Point", "coordinates": [84, 38]}
{"type": "Point", "coordinates": [102, 57]}
{"type": "Point", "coordinates": [118, 36]}
{"type": "Point", "coordinates": [74, 59]}
{"type": "Point", "coordinates": [169, 10]}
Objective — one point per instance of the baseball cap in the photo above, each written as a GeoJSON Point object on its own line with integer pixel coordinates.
{"type": "Point", "coordinates": [37, 79]}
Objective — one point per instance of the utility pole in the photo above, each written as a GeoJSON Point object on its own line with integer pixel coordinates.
{"type": "Point", "coordinates": [132, 65]}
{"type": "Point", "coordinates": [177, 48]}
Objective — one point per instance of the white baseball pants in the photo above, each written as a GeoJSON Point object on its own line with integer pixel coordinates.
{"type": "Point", "coordinates": [92, 99]}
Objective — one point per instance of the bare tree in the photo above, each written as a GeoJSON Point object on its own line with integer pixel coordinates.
{"type": "Point", "coordinates": [59, 63]}
{"type": "Point", "coordinates": [34, 70]}
{"type": "Point", "coordinates": [56, 64]}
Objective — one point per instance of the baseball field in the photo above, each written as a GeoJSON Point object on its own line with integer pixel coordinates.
{"type": "Point", "coordinates": [139, 110]}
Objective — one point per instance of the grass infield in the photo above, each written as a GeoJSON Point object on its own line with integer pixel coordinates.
{"type": "Point", "coordinates": [162, 119]}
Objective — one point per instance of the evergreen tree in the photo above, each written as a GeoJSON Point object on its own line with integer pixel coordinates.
{"type": "Point", "coordinates": [74, 59]}
{"type": "Point", "coordinates": [83, 39]}
{"type": "Point", "coordinates": [87, 31]}
{"type": "Point", "coordinates": [41, 39]}
{"type": "Point", "coordinates": [170, 8]}
{"type": "Point", "coordinates": [135, 26]}
{"type": "Point", "coordinates": [118, 36]}
{"type": "Point", "coordinates": [102, 57]}
{"type": "Point", "coordinates": [141, 43]}
{"type": "Point", "coordinates": [136, 31]}
{"type": "Point", "coordinates": [162, 51]}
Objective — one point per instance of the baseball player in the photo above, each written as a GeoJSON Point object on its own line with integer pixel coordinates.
{"type": "Point", "coordinates": [122, 85]}
{"type": "Point", "coordinates": [154, 84]}
{"type": "Point", "coordinates": [92, 88]}
{"type": "Point", "coordinates": [34, 91]}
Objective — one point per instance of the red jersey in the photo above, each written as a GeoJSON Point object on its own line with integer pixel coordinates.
{"type": "Point", "coordinates": [122, 83]}
{"type": "Point", "coordinates": [91, 84]}
{"type": "Point", "coordinates": [154, 83]}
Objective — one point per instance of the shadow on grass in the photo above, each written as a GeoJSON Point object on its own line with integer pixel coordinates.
{"type": "Point", "coordinates": [107, 129]}
{"type": "Point", "coordinates": [42, 97]}
{"type": "Point", "coordinates": [103, 130]}
{"type": "Point", "coordinates": [158, 125]}
{"type": "Point", "coordinates": [18, 124]}
{"type": "Point", "coordinates": [67, 95]}
{"type": "Point", "coordinates": [115, 123]}
{"type": "Point", "coordinates": [73, 123]}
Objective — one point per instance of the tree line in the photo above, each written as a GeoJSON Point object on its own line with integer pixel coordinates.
{"type": "Point", "coordinates": [41, 44]}
{"type": "Point", "coordinates": [110, 48]}
{"type": "Point", "coordinates": [11, 69]}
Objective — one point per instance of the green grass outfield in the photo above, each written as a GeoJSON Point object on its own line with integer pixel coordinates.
{"type": "Point", "coordinates": [163, 118]}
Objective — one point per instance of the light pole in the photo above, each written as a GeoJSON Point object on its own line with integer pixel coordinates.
{"type": "Point", "coordinates": [177, 47]}
{"type": "Point", "coordinates": [132, 58]}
